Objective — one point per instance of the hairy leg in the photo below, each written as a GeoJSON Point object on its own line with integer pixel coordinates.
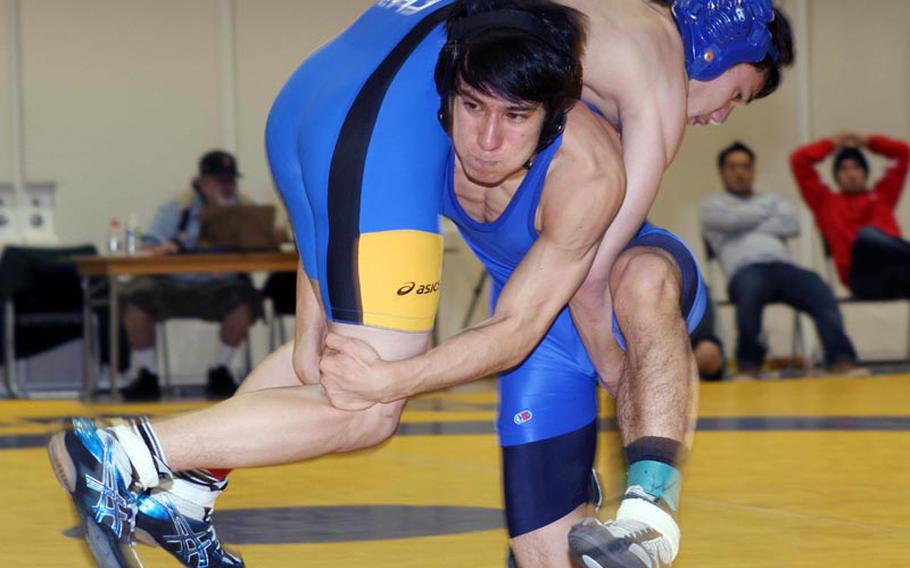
{"type": "Point", "coordinates": [657, 392]}
{"type": "Point", "coordinates": [547, 547]}
{"type": "Point", "coordinates": [235, 325]}
{"type": "Point", "coordinates": [140, 327]}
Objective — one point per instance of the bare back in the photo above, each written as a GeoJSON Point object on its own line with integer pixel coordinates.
{"type": "Point", "coordinates": [634, 64]}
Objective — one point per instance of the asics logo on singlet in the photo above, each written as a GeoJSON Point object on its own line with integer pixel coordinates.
{"type": "Point", "coordinates": [421, 289]}
{"type": "Point", "coordinates": [407, 7]}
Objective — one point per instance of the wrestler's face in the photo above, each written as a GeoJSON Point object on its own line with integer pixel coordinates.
{"type": "Point", "coordinates": [711, 102]}
{"type": "Point", "coordinates": [493, 137]}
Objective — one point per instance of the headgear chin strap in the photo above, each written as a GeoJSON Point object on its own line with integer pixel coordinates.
{"type": "Point", "coordinates": [718, 34]}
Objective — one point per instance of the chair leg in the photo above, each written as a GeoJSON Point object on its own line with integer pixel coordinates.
{"type": "Point", "coordinates": [270, 317]}
{"type": "Point", "coordinates": [22, 376]}
{"type": "Point", "coordinates": [161, 350]}
{"type": "Point", "coordinates": [248, 354]}
{"type": "Point", "coordinates": [798, 347]}
{"type": "Point", "coordinates": [475, 299]}
{"type": "Point", "coordinates": [908, 331]}
{"type": "Point", "coordinates": [9, 351]}
{"type": "Point", "coordinates": [282, 332]}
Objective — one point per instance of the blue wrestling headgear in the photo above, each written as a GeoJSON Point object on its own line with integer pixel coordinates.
{"type": "Point", "coordinates": [718, 34]}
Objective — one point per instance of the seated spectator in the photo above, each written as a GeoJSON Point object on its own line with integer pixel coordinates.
{"type": "Point", "coordinates": [230, 299]}
{"type": "Point", "coordinates": [707, 346]}
{"type": "Point", "coordinates": [748, 232]}
{"type": "Point", "coordinates": [858, 223]}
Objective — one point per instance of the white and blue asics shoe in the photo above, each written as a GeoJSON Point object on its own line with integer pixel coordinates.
{"type": "Point", "coordinates": [90, 464]}
{"type": "Point", "coordinates": [189, 538]}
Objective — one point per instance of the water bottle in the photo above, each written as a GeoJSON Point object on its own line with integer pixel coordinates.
{"type": "Point", "coordinates": [115, 237]}
{"type": "Point", "coordinates": [132, 234]}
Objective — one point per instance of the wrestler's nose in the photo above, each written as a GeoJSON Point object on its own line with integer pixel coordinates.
{"type": "Point", "coordinates": [490, 135]}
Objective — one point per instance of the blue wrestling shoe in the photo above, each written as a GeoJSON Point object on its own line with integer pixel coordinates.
{"type": "Point", "coordinates": [90, 464]}
{"type": "Point", "coordinates": [192, 541]}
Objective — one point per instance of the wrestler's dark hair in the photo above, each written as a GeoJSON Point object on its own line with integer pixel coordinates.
{"type": "Point", "coordinates": [782, 39]}
{"type": "Point", "coordinates": [518, 50]}
{"type": "Point", "coordinates": [734, 147]}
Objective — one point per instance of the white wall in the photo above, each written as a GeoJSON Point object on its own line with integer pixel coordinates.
{"type": "Point", "coordinates": [122, 96]}
{"type": "Point", "coordinates": [860, 80]}
{"type": "Point", "coordinates": [6, 135]}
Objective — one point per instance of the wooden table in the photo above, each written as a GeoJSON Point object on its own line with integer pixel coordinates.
{"type": "Point", "coordinates": [113, 267]}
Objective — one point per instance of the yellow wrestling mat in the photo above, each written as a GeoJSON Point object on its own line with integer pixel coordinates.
{"type": "Point", "coordinates": [787, 473]}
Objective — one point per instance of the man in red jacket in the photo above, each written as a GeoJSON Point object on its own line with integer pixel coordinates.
{"type": "Point", "coordinates": [858, 223]}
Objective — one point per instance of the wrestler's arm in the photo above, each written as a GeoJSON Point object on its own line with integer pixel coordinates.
{"type": "Point", "coordinates": [652, 130]}
{"type": "Point", "coordinates": [309, 330]}
{"type": "Point", "coordinates": [585, 195]}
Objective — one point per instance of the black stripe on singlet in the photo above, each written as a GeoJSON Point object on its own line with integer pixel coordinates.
{"type": "Point", "coordinates": [346, 172]}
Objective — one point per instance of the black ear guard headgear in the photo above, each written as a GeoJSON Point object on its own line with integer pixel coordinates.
{"type": "Point", "coordinates": [466, 28]}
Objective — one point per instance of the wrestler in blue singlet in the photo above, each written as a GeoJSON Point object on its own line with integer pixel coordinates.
{"type": "Point", "coordinates": [357, 153]}
{"type": "Point", "coordinates": [547, 405]}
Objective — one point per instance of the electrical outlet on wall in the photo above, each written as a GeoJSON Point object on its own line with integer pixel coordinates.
{"type": "Point", "coordinates": [36, 213]}
{"type": "Point", "coordinates": [9, 217]}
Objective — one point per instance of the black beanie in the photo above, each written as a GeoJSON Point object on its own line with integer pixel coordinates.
{"type": "Point", "coordinates": [850, 153]}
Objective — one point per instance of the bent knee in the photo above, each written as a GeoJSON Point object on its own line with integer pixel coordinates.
{"type": "Point", "coordinates": [647, 279]}
{"type": "Point", "coordinates": [372, 426]}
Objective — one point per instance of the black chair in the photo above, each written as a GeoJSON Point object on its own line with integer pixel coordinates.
{"type": "Point", "coordinates": [851, 299]}
{"type": "Point", "coordinates": [280, 291]}
{"type": "Point", "coordinates": [797, 342]}
{"type": "Point", "coordinates": [41, 299]}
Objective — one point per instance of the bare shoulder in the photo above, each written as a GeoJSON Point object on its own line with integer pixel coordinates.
{"type": "Point", "coordinates": [633, 60]}
{"type": "Point", "coordinates": [590, 147]}
{"type": "Point", "coordinates": [585, 184]}
{"type": "Point", "coordinates": [628, 33]}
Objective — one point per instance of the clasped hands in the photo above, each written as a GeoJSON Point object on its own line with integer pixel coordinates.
{"type": "Point", "coordinates": [353, 375]}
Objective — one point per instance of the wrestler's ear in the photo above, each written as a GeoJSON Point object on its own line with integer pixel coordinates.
{"type": "Point", "coordinates": [446, 82]}
{"type": "Point", "coordinates": [445, 115]}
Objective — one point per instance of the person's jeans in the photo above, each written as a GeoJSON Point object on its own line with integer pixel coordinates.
{"type": "Point", "coordinates": [756, 285]}
{"type": "Point", "coordinates": [880, 266]}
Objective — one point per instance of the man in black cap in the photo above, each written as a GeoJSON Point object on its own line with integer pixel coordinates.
{"type": "Point", "coordinates": [858, 222]}
{"type": "Point", "coordinates": [229, 299]}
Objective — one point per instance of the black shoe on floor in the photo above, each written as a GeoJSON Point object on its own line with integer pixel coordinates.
{"type": "Point", "coordinates": [144, 387]}
{"type": "Point", "coordinates": [221, 383]}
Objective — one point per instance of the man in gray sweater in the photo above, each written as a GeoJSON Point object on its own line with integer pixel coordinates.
{"type": "Point", "coordinates": [748, 233]}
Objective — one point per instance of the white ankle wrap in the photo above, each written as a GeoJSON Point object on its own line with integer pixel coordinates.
{"type": "Point", "coordinates": [138, 454]}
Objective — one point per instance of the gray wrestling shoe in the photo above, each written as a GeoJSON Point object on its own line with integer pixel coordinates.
{"type": "Point", "coordinates": [644, 535]}
{"type": "Point", "coordinates": [624, 543]}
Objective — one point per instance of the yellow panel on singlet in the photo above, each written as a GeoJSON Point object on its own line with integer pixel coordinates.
{"type": "Point", "coordinates": [399, 291]}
